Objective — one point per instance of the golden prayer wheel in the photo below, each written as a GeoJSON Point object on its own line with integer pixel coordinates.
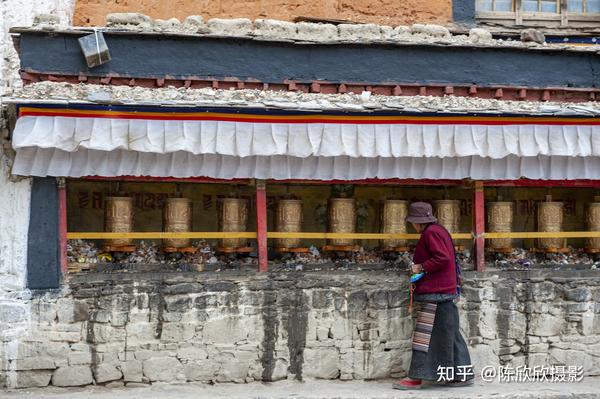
{"type": "Point", "coordinates": [342, 219]}
{"type": "Point", "coordinates": [593, 224]}
{"type": "Point", "coordinates": [234, 217]}
{"type": "Point", "coordinates": [288, 218]}
{"type": "Point", "coordinates": [500, 220]}
{"type": "Point", "coordinates": [550, 219]}
{"type": "Point", "coordinates": [393, 217]}
{"type": "Point", "coordinates": [177, 218]}
{"type": "Point", "coordinates": [447, 213]}
{"type": "Point", "coordinates": [118, 218]}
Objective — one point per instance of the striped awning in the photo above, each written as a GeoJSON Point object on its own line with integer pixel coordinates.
{"type": "Point", "coordinates": [275, 144]}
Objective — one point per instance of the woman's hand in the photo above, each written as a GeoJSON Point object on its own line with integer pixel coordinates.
{"type": "Point", "coordinates": [417, 269]}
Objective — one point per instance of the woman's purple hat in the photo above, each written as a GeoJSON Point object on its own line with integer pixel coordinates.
{"type": "Point", "coordinates": [420, 212]}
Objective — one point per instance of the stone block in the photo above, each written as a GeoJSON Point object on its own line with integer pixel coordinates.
{"type": "Point", "coordinates": [371, 364]}
{"type": "Point", "coordinates": [105, 372]}
{"type": "Point", "coordinates": [545, 325]}
{"type": "Point", "coordinates": [437, 31]}
{"type": "Point", "coordinates": [12, 313]}
{"type": "Point", "coordinates": [33, 378]}
{"type": "Point", "coordinates": [178, 303]}
{"type": "Point", "coordinates": [568, 357]}
{"type": "Point", "coordinates": [36, 363]}
{"type": "Point", "coordinates": [195, 24]}
{"type": "Point", "coordinates": [169, 25]}
{"type": "Point", "coordinates": [64, 336]}
{"type": "Point", "coordinates": [483, 355]}
{"type": "Point", "coordinates": [177, 332]}
{"type": "Point", "coordinates": [316, 32]}
{"type": "Point", "coordinates": [72, 376]}
{"type": "Point", "coordinates": [359, 32]}
{"type": "Point", "coordinates": [127, 18]}
{"type": "Point", "coordinates": [165, 369]}
{"type": "Point", "coordinates": [232, 369]}
{"type": "Point", "coordinates": [138, 333]}
{"type": "Point", "coordinates": [532, 35]}
{"type": "Point", "coordinates": [230, 27]}
{"type": "Point", "coordinates": [132, 371]}
{"type": "Point", "coordinates": [80, 358]}
{"type": "Point", "coordinates": [478, 35]}
{"type": "Point", "coordinates": [321, 363]}
{"type": "Point", "coordinates": [228, 330]}
{"type": "Point", "coordinates": [275, 29]}
{"type": "Point", "coordinates": [201, 370]}
{"type": "Point", "coordinates": [357, 301]}
{"type": "Point", "coordinates": [192, 353]}
{"type": "Point", "coordinates": [580, 294]}
{"type": "Point", "coordinates": [280, 371]}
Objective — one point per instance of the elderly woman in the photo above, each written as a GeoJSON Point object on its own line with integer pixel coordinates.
{"type": "Point", "coordinates": [439, 352]}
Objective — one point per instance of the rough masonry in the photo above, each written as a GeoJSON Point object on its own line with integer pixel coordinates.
{"type": "Point", "coordinates": [241, 326]}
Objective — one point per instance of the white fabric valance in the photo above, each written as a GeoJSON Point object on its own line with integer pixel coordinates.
{"type": "Point", "coordinates": [54, 162]}
{"type": "Point", "coordinates": [301, 140]}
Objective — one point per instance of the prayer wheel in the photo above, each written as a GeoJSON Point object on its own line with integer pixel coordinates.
{"type": "Point", "coordinates": [288, 218]}
{"type": "Point", "coordinates": [500, 220]}
{"type": "Point", "coordinates": [118, 218]}
{"type": "Point", "coordinates": [447, 213]}
{"type": "Point", "coordinates": [593, 224]}
{"type": "Point", "coordinates": [234, 217]}
{"type": "Point", "coordinates": [393, 217]}
{"type": "Point", "coordinates": [550, 219]}
{"type": "Point", "coordinates": [342, 219]}
{"type": "Point", "coordinates": [177, 218]}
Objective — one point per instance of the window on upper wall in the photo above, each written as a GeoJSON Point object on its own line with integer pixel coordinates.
{"type": "Point", "coordinates": [540, 13]}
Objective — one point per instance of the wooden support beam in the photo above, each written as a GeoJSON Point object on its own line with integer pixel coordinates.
{"type": "Point", "coordinates": [159, 235]}
{"type": "Point", "coordinates": [319, 236]}
{"type": "Point", "coordinates": [261, 225]}
{"type": "Point", "coordinates": [478, 226]}
{"type": "Point", "coordinates": [62, 224]}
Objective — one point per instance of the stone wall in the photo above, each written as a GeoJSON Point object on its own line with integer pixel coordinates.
{"type": "Point", "coordinates": [240, 327]}
{"type": "Point", "coordinates": [388, 12]}
{"type": "Point", "coordinates": [14, 194]}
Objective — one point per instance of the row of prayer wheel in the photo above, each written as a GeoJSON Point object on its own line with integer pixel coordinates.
{"type": "Point", "coordinates": [549, 219]}
{"type": "Point", "coordinates": [342, 219]}
{"type": "Point", "coordinates": [342, 216]}
{"type": "Point", "coordinates": [177, 218]}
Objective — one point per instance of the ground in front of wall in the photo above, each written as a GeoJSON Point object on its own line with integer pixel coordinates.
{"type": "Point", "coordinates": [586, 389]}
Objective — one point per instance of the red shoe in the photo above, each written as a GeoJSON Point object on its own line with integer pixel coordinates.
{"type": "Point", "coordinates": [407, 383]}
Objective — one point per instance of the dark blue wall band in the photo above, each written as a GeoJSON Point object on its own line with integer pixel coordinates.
{"type": "Point", "coordinates": [175, 57]}
{"type": "Point", "coordinates": [43, 261]}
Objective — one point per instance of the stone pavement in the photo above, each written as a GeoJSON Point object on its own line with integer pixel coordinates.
{"type": "Point", "coordinates": [320, 389]}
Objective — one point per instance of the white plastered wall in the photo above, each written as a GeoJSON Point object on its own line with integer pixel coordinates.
{"type": "Point", "coordinates": [15, 195]}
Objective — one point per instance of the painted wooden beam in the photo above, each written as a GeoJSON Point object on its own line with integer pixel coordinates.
{"type": "Point", "coordinates": [261, 225]}
{"type": "Point", "coordinates": [62, 225]}
{"type": "Point", "coordinates": [155, 235]}
{"type": "Point", "coordinates": [478, 226]}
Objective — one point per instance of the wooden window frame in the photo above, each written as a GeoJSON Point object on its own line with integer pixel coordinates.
{"type": "Point", "coordinates": [563, 18]}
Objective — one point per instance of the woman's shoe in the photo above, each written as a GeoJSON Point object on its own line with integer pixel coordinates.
{"type": "Point", "coordinates": [407, 383]}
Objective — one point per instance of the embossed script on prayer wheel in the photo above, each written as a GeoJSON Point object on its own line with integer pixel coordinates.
{"type": "Point", "coordinates": [118, 218]}
{"type": "Point", "coordinates": [342, 219]}
{"type": "Point", "coordinates": [500, 220]}
{"type": "Point", "coordinates": [550, 218]}
{"type": "Point", "coordinates": [393, 217]}
{"type": "Point", "coordinates": [288, 218]}
{"type": "Point", "coordinates": [234, 217]}
{"type": "Point", "coordinates": [177, 218]}
{"type": "Point", "coordinates": [447, 213]}
{"type": "Point", "coordinates": [593, 224]}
